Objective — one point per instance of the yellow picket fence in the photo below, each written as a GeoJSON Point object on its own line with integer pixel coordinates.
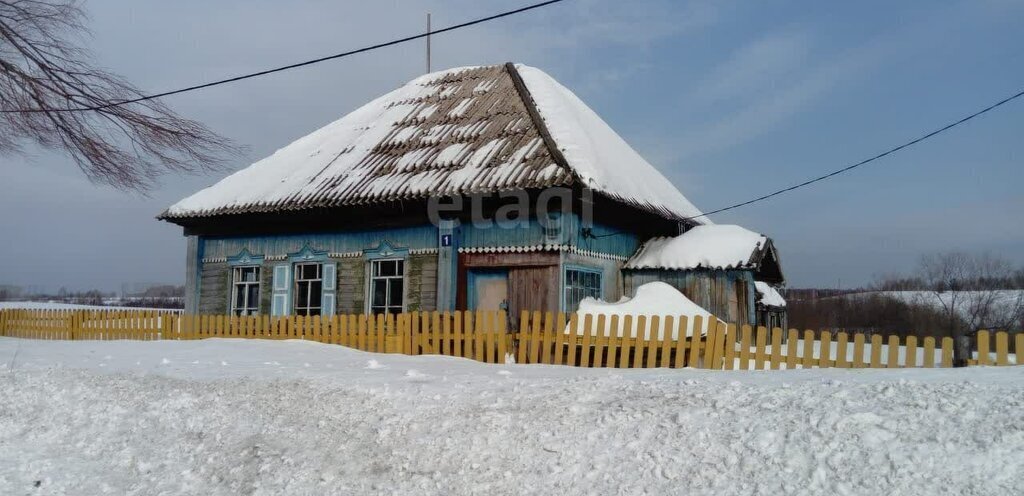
{"type": "Point", "coordinates": [543, 338]}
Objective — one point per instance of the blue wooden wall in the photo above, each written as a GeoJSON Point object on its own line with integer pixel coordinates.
{"type": "Point", "coordinates": [570, 231]}
{"type": "Point", "coordinates": [417, 237]}
{"type": "Point", "coordinates": [602, 238]}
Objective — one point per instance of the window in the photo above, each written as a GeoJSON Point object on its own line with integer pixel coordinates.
{"type": "Point", "coordinates": [580, 284]}
{"type": "Point", "coordinates": [308, 288]}
{"type": "Point", "coordinates": [245, 290]}
{"type": "Point", "coordinates": [387, 286]}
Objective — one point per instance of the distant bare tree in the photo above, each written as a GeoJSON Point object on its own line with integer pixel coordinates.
{"type": "Point", "coordinates": [969, 289]}
{"type": "Point", "coordinates": [44, 72]}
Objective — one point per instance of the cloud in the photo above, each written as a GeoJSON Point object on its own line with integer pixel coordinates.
{"type": "Point", "coordinates": [764, 62]}
{"type": "Point", "coordinates": [636, 23]}
{"type": "Point", "coordinates": [772, 79]}
{"type": "Point", "coordinates": [774, 107]}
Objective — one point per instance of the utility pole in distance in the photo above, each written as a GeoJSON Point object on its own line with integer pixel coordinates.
{"type": "Point", "coordinates": [428, 42]}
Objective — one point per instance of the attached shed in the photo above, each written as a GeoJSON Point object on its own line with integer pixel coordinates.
{"type": "Point", "coordinates": [716, 266]}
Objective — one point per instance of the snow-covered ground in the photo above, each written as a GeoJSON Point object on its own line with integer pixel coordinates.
{"type": "Point", "coordinates": [290, 417]}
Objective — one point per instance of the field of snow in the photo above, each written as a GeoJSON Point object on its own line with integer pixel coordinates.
{"type": "Point", "coordinates": [53, 305]}
{"type": "Point", "coordinates": [290, 417]}
{"type": "Point", "coordinates": [48, 305]}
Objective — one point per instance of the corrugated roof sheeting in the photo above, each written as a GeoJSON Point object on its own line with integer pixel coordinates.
{"type": "Point", "coordinates": [456, 132]}
{"type": "Point", "coordinates": [465, 132]}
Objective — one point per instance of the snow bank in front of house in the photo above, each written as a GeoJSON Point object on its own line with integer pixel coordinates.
{"type": "Point", "coordinates": [653, 298]}
{"type": "Point", "coordinates": [769, 295]}
{"type": "Point", "coordinates": [721, 246]}
{"type": "Point", "coordinates": [602, 159]}
{"type": "Point", "coordinates": [232, 416]}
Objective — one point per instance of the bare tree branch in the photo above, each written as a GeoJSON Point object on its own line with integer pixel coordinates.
{"type": "Point", "coordinates": [126, 146]}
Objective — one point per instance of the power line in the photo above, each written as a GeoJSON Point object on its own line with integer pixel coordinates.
{"type": "Point", "coordinates": [296, 65]}
{"type": "Point", "coordinates": [847, 168]}
{"type": "Point", "coordinates": [865, 161]}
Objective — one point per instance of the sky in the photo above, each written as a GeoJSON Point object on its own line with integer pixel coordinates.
{"type": "Point", "coordinates": [730, 100]}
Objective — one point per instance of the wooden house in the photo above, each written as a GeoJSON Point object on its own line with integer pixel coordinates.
{"type": "Point", "coordinates": [472, 188]}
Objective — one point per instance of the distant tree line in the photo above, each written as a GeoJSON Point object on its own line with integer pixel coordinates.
{"type": "Point", "coordinates": [868, 313]}
{"type": "Point", "coordinates": [952, 294]}
{"type": "Point", "coordinates": [154, 296]}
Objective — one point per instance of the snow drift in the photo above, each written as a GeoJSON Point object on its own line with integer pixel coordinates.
{"type": "Point", "coordinates": [653, 298]}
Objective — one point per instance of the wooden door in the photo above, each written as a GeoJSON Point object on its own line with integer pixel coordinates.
{"type": "Point", "coordinates": [533, 289]}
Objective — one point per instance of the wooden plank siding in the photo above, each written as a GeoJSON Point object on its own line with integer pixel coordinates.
{"type": "Point", "coordinates": [411, 237]}
{"type": "Point", "coordinates": [213, 288]}
{"type": "Point", "coordinates": [421, 278]}
{"type": "Point", "coordinates": [727, 293]}
{"type": "Point", "coordinates": [351, 285]}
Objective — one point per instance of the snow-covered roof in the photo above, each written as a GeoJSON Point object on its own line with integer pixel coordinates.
{"type": "Point", "coordinates": [720, 246]}
{"type": "Point", "coordinates": [768, 295]}
{"type": "Point", "coordinates": [460, 131]}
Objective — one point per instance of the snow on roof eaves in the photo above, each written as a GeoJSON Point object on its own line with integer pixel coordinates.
{"type": "Point", "coordinates": [600, 157]}
{"type": "Point", "coordinates": [460, 131]}
{"type": "Point", "coordinates": [702, 247]}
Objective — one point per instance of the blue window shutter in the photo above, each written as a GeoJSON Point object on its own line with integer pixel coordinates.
{"type": "Point", "coordinates": [329, 288]}
{"type": "Point", "coordinates": [281, 283]}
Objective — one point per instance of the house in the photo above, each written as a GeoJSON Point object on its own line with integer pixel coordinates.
{"type": "Point", "coordinates": [471, 188]}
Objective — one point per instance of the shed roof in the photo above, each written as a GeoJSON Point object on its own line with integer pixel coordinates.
{"type": "Point", "coordinates": [460, 131]}
{"type": "Point", "coordinates": [720, 246]}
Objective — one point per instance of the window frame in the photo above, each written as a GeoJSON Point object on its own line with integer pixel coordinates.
{"type": "Point", "coordinates": [372, 279]}
{"type": "Point", "coordinates": [236, 270]}
{"type": "Point", "coordinates": [567, 287]}
{"type": "Point", "coordinates": [297, 278]}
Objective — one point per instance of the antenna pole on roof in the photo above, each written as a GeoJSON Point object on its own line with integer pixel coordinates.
{"type": "Point", "coordinates": [428, 42]}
